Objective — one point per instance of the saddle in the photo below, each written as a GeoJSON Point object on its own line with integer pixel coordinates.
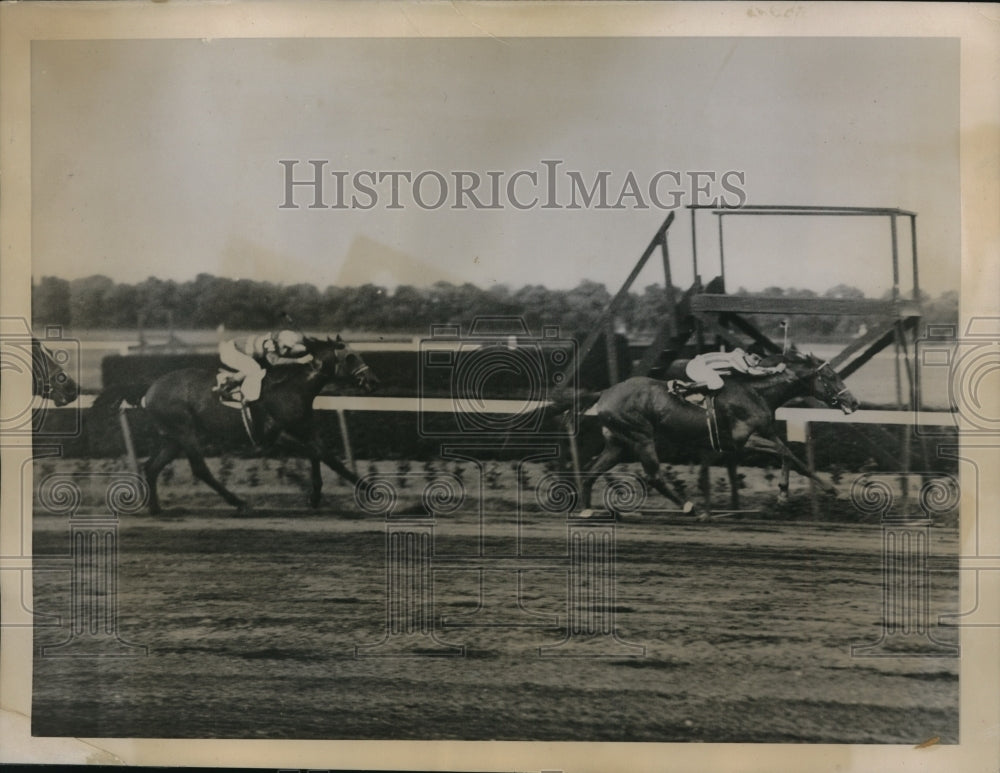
{"type": "Point", "coordinates": [684, 390]}
{"type": "Point", "coordinates": [228, 389]}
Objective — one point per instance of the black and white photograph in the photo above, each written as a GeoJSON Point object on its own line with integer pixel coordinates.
{"type": "Point", "coordinates": [486, 373]}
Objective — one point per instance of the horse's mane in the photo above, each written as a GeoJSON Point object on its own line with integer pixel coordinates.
{"type": "Point", "coordinates": [313, 342]}
{"type": "Point", "coordinates": [791, 357]}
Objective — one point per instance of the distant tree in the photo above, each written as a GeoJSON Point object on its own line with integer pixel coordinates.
{"type": "Point", "coordinates": [90, 301]}
{"type": "Point", "coordinates": [408, 308]}
{"type": "Point", "coordinates": [844, 291]}
{"type": "Point", "coordinates": [584, 304]}
{"type": "Point", "coordinates": [943, 309]}
{"type": "Point", "coordinates": [122, 307]}
{"type": "Point", "coordinates": [50, 302]}
{"type": "Point", "coordinates": [302, 302]}
{"type": "Point", "coordinates": [207, 301]}
{"type": "Point", "coordinates": [364, 307]}
{"type": "Point", "coordinates": [156, 300]}
{"type": "Point", "coordinates": [333, 307]}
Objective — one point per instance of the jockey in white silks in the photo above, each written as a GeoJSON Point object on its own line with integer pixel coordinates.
{"type": "Point", "coordinates": [250, 357]}
{"type": "Point", "coordinates": [706, 370]}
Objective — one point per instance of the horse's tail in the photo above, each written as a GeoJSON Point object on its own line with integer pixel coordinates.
{"type": "Point", "coordinates": [111, 399]}
{"type": "Point", "coordinates": [568, 402]}
{"type": "Point", "coordinates": [101, 423]}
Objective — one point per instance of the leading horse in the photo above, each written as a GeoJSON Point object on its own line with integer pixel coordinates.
{"type": "Point", "coordinates": [185, 412]}
{"type": "Point", "coordinates": [639, 411]}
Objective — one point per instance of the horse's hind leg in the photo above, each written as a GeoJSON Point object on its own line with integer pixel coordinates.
{"type": "Point", "coordinates": [316, 494]}
{"type": "Point", "coordinates": [646, 452]}
{"type": "Point", "coordinates": [201, 471]}
{"type": "Point", "coordinates": [608, 458]}
{"type": "Point", "coordinates": [165, 454]}
{"type": "Point", "coordinates": [705, 479]}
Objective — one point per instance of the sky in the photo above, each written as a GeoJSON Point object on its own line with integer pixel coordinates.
{"type": "Point", "coordinates": [162, 157]}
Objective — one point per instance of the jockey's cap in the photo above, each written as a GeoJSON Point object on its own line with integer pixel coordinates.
{"type": "Point", "coordinates": [289, 340]}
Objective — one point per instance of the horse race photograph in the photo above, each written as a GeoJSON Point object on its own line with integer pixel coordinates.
{"type": "Point", "coordinates": [494, 384]}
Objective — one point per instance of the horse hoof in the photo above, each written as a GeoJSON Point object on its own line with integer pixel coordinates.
{"type": "Point", "coordinates": [702, 517]}
{"type": "Point", "coordinates": [688, 507]}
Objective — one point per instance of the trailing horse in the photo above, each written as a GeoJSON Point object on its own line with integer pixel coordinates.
{"type": "Point", "coordinates": [635, 413]}
{"type": "Point", "coordinates": [48, 379]}
{"type": "Point", "coordinates": [185, 411]}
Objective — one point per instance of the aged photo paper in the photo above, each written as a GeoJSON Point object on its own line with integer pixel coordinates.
{"type": "Point", "coordinates": [500, 386]}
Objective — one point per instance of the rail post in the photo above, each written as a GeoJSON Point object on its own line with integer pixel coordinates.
{"type": "Point", "coordinates": [133, 461]}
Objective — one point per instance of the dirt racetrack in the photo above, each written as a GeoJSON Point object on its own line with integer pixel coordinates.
{"type": "Point", "coordinates": [744, 629]}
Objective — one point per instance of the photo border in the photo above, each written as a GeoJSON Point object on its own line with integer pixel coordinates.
{"type": "Point", "coordinates": [976, 25]}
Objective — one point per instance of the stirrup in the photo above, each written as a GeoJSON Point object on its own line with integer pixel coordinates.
{"type": "Point", "coordinates": [248, 422]}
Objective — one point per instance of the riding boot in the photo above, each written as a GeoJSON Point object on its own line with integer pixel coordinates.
{"type": "Point", "coordinates": [692, 391]}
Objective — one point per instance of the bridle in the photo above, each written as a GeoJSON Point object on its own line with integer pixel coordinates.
{"type": "Point", "coordinates": [45, 362]}
{"type": "Point", "coordinates": [826, 364]}
{"type": "Point", "coordinates": [343, 353]}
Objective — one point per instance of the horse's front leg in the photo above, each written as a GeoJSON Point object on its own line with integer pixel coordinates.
{"type": "Point", "coordinates": [734, 481]}
{"type": "Point", "coordinates": [307, 439]}
{"type": "Point", "coordinates": [317, 482]}
{"type": "Point", "coordinates": [705, 479]}
{"type": "Point", "coordinates": [774, 445]}
{"type": "Point", "coordinates": [165, 454]}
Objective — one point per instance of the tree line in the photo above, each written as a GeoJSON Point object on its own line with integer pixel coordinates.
{"type": "Point", "coordinates": [244, 304]}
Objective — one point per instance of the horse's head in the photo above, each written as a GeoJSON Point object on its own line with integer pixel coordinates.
{"type": "Point", "coordinates": [48, 379]}
{"type": "Point", "coordinates": [821, 380]}
{"type": "Point", "coordinates": [338, 361]}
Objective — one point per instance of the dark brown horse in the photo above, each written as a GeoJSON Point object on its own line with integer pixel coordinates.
{"type": "Point", "coordinates": [185, 411]}
{"type": "Point", "coordinates": [638, 412]}
{"type": "Point", "coordinates": [48, 378]}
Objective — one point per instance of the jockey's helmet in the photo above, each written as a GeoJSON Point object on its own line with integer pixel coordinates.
{"type": "Point", "coordinates": [289, 342]}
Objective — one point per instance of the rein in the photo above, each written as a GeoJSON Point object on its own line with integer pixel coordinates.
{"type": "Point", "coordinates": [43, 366]}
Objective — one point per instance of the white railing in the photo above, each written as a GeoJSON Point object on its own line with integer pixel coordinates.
{"type": "Point", "coordinates": [458, 405]}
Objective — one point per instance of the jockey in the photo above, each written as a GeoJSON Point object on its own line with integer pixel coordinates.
{"type": "Point", "coordinates": [706, 370]}
{"type": "Point", "coordinates": [250, 357]}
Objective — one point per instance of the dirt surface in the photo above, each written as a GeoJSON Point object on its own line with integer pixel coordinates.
{"type": "Point", "coordinates": [735, 629]}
